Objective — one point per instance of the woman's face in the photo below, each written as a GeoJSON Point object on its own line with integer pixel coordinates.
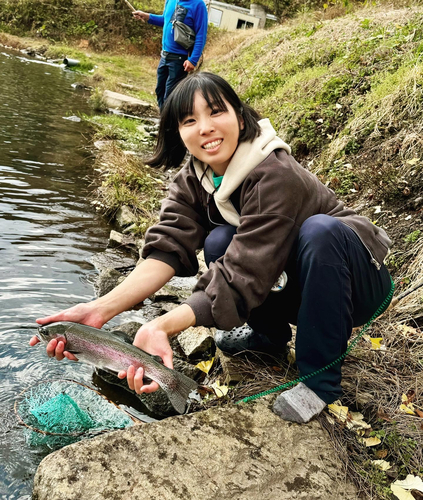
{"type": "Point", "coordinates": [211, 135]}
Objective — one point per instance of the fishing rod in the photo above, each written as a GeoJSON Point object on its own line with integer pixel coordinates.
{"type": "Point", "coordinates": [130, 6]}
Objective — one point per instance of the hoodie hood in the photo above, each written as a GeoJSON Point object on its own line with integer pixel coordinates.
{"type": "Point", "coordinates": [246, 157]}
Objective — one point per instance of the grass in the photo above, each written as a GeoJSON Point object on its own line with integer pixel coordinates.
{"type": "Point", "coordinates": [124, 180]}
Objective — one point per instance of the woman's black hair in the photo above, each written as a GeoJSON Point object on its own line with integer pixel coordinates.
{"type": "Point", "coordinates": [170, 150]}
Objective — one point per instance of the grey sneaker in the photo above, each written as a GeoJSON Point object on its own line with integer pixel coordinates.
{"type": "Point", "coordinates": [244, 338]}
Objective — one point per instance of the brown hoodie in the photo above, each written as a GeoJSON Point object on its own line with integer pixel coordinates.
{"type": "Point", "coordinates": [276, 197]}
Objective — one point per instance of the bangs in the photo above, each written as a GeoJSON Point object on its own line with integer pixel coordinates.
{"type": "Point", "coordinates": [211, 93]}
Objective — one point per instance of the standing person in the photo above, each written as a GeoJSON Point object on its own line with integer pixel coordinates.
{"type": "Point", "coordinates": [258, 214]}
{"type": "Point", "coordinates": [176, 61]}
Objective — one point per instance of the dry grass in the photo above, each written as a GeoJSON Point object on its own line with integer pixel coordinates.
{"type": "Point", "coordinates": [125, 180]}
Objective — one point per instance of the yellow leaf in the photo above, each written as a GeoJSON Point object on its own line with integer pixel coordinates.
{"type": "Point", "coordinates": [372, 441]}
{"type": "Point", "coordinates": [205, 366]}
{"type": "Point", "coordinates": [325, 5]}
{"type": "Point", "coordinates": [376, 343]}
{"type": "Point", "coordinates": [219, 390]}
{"type": "Point", "coordinates": [382, 464]}
{"type": "Point", "coordinates": [400, 493]}
{"type": "Point", "coordinates": [410, 483]}
{"type": "Point", "coordinates": [357, 421]}
{"type": "Point", "coordinates": [409, 409]}
{"type": "Point", "coordinates": [413, 161]}
{"type": "Point", "coordinates": [338, 411]}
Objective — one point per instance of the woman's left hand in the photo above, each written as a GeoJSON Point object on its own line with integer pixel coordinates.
{"type": "Point", "coordinates": [154, 341]}
{"type": "Point", "coordinates": [153, 338]}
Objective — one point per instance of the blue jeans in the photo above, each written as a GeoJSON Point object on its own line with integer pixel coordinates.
{"type": "Point", "coordinates": [332, 287]}
{"type": "Point", "coordinates": [169, 72]}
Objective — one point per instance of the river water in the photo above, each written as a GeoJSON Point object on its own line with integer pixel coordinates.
{"type": "Point", "coordinates": [48, 235]}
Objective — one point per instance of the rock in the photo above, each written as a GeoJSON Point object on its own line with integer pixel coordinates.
{"type": "Point", "coordinates": [157, 402]}
{"type": "Point", "coordinates": [196, 341]}
{"type": "Point", "coordinates": [129, 229]}
{"type": "Point", "coordinates": [242, 452]}
{"type": "Point", "coordinates": [107, 280]}
{"type": "Point", "coordinates": [202, 267]}
{"type": "Point", "coordinates": [417, 202]}
{"type": "Point", "coordinates": [166, 294]}
{"type": "Point", "coordinates": [124, 217]}
{"type": "Point", "coordinates": [119, 240]}
{"type": "Point", "coordinates": [168, 306]}
{"type": "Point", "coordinates": [128, 104]}
{"type": "Point", "coordinates": [113, 259]}
{"type": "Point", "coordinates": [102, 144]}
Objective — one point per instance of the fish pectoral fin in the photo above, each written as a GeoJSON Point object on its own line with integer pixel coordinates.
{"type": "Point", "coordinates": [122, 336]}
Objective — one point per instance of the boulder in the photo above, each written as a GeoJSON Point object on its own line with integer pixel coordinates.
{"type": "Point", "coordinates": [128, 104]}
{"type": "Point", "coordinates": [125, 217]}
{"type": "Point", "coordinates": [107, 280]}
{"type": "Point", "coordinates": [196, 341]}
{"type": "Point", "coordinates": [242, 452]}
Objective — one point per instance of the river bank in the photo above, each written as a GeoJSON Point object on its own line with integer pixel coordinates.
{"type": "Point", "coordinates": [346, 93]}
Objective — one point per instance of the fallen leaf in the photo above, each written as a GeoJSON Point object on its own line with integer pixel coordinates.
{"type": "Point", "coordinates": [406, 406]}
{"type": "Point", "coordinates": [381, 453]}
{"type": "Point", "coordinates": [408, 330]}
{"type": "Point", "coordinates": [400, 493]}
{"type": "Point", "coordinates": [203, 390]}
{"type": "Point", "coordinates": [409, 409]}
{"type": "Point", "coordinates": [377, 344]}
{"type": "Point", "coordinates": [338, 411]}
{"type": "Point", "coordinates": [413, 161]}
{"type": "Point", "coordinates": [356, 420]}
{"type": "Point", "coordinates": [419, 412]}
{"type": "Point", "coordinates": [205, 366]}
{"type": "Point", "coordinates": [219, 390]}
{"type": "Point", "coordinates": [372, 441]}
{"type": "Point", "coordinates": [382, 464]}
{"type": "Point", "coordinates": [410, 483]}
{"type": "Point", "coordinates": [411, 395]}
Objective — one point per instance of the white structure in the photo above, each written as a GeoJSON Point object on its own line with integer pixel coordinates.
{"type": "Point", "coordinates": [231, 17]}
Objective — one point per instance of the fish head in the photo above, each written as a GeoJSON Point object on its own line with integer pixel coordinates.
{"type": "Point", "coordinates": [52, 331]}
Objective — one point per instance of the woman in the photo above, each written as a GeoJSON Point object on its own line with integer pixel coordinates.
{"type": "Point", "coordinates": [281, 249]}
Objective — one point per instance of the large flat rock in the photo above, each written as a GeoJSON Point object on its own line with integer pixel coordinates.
{"type": "Point", "coordinates": [128, 104]}
{"type": "Point", "coordinates": [233, 453]}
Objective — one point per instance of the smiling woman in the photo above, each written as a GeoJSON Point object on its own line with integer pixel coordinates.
{"type": "Point", "coordinates": [211, 134]}
{"type": "Point", "coordinates": [277, 233]}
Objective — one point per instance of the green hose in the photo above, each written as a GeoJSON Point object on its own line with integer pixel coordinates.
{"type": "Point", "coordinates": [381, 310]}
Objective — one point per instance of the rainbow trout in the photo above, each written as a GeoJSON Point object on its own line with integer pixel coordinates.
{"type": "Point", "coordinates": [109, 350]}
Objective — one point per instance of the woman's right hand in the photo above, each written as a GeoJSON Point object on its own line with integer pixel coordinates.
{"type": "Point", "coordinates": [85, 313]}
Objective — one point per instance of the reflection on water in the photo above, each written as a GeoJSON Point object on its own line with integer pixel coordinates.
{"type": "Point", "coordinates": [48, 233]}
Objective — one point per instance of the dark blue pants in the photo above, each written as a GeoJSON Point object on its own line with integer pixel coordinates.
{"type": "Point", "coordinates": [332, 287]}
{"type": "Point", "coordinates": [169, 73]}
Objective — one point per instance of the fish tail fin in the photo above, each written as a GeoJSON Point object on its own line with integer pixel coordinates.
{"type": "Point", "coordinates": [178, 393]}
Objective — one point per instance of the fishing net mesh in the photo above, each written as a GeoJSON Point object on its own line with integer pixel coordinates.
{"type": "Point", "coordinates": [67, 409]}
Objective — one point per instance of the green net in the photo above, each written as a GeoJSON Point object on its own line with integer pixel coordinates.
{"type": "Point", "coordinates": [63, 411]}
